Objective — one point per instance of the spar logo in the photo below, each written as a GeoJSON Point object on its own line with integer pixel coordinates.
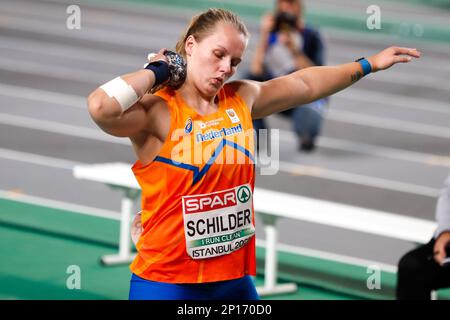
{"type": "Point", "coordinates": [243, 194]}
{"type": "Point", "coordinates": [188, 126]}
{"type": "Point", "coordinates": [211, 201]}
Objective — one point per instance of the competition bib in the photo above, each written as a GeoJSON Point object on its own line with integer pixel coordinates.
{"type": "Point", "coordinates": [218, 223]}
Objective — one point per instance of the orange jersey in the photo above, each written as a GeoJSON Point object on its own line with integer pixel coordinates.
{"type": "Point", "coordinates": [197, 206]}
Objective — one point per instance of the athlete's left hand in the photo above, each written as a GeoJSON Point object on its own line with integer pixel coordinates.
{"type": "Point", "coordinates": [390, 56]}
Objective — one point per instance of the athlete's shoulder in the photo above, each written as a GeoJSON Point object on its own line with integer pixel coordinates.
{"type": "Point", "coordinates": [247, 90]}
{"type": "Point", "coordinates": [165, 93]}
{"type": "Point", "coordinates": [159, 102]}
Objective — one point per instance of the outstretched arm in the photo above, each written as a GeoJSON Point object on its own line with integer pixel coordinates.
{"type": "Point", "coordinates": [313, 83]}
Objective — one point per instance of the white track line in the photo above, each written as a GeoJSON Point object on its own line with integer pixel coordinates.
{"type": "Point", "coordinates": [374, 150]}
{"type": "Point", "coordinates": [64, 129]}
{"type": "Point", "coordinates": [390, 124]}
{"type": "Point", "coordinates": [396, 100]}
{"type": "Point", "coordinates": [44, 96]}
{"type": "Point", "coordinates": [60, 205]}
{"type": "Point", "coordinates": [65, 73]}
{"type": "Point", "coordinates": [329, 256]}
{"type": "Point", "coordinates": [94, 34]}
{"type": "Point", "coordinates": [344, 11]}
{"type": "Point", "coordinates": [38, 159]}
{"type": "Point", "coordinates": [35, 47]}
{"type": "Point", "coordinates": [135, 7]}
{"type": "Point", "coordinates": [320, 172]}
{"type": "Point", "coordinates": [403, 78]}
{"type": "Point", "coordinates": [96, 17]}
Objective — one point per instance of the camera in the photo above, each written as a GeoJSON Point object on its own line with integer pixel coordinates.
{"type": "Point", "coordinates": [446, 262]}
{"type": "Point", "coordinates": [285, 21]}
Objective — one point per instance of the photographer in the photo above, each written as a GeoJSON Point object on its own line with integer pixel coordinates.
{"type": "Point", "coordinates": [426, 268]}
{"type": "Point", "coordinates": [286, 45]}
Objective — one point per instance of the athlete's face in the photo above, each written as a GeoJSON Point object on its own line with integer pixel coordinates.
{"type": "Point", "coordinates": [213, 60]}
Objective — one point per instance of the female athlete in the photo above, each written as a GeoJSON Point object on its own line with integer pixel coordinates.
{"type": "Point", "coordinates": [192, 135]}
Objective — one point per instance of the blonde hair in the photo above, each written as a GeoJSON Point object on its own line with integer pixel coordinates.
{"type": "Point", "coordinates": [204, 23]}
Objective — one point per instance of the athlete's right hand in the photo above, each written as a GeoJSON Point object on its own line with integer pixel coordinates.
{"type": "Point", "coordinates": [177, 67]}
{"type": "Point", "coordinates": [152, 57]}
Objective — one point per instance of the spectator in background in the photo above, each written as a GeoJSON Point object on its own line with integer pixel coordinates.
{"type": "Point", "coordinates": [422, 270]}
{"type": "Point", "coordinates": [287, 44]}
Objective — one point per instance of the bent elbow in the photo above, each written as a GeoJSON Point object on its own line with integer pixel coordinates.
{"type": "Point", "coordinates": [94, 111]}
{"type": "Point", "coordinates": [95, 107]}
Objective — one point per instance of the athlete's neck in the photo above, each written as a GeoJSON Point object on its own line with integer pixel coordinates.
{"type": "Point", "coordinates": [202, 104]}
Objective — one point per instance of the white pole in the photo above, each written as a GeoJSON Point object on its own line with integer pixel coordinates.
{"type": "Point", "coordinates": [271, 262]}
{"type": "Point", "coordinates": [125, 218]}
{"type": "Point", "coordinates": [271, 256]}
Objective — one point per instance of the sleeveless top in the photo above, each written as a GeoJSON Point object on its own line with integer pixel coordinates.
{"type": "Point", "coordinates": [197, 196]}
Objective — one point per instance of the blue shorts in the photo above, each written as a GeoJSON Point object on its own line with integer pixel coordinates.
{"type": "Point", "coordinates": [236, 289]}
